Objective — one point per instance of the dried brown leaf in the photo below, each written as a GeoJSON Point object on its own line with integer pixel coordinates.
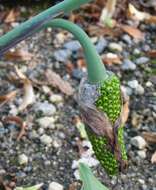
{"type": "Point", "coordinates": [125, 108]}
{"type": "Point", "coordinates": [19, 121]}
{"type": "Point", "coordinates": [151, 20]}
{"type": "Point", "coordinates": [81, 63]}
{"type": "Point", "coordinates": [29, 95]}
{"type": "Point", "coordinates": [73, 186]}
{"type": "Point", "coordinates": [11, 16]}
{"type": "Point", "coordinates": [7, 97]}
{"type": "Point", "coordinates": [97, 121]}
{"type": "Point", "coordinates": [153, 159]}
{"type": "Point", "coordinates": [134, 32]}
{"type": "Point", "coordinates": [135, 14]}
{"type": "Point", "coordinates": [56, 81]}
{"type": "Point", "coordinates": [69, 67]}
{"type": "Point", "coordinates": [151, 53]}
{"type": "Point", "coordinates": [125, 112]}
{"type": "Point", "coordinates": [18, 55]}
{"type": "Point", "coordinates": [104, 31]}
{"type": "Point", "coordinates": [150, 137]}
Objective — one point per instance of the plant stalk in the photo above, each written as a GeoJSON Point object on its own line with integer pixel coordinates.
{"type": "Point", "coordinates": [25, 29]}
{"type": "Point", "coordinates": [95, 67]}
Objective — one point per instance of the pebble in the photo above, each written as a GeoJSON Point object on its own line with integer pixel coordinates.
{"type": "Point", "coordinates": [2, 131]}
{"type": "Point", "coordinates": [139, 90]}
{"type": "Point", "coordinates": [2, 172]}
{"type": "Point", "coordinates": [46, 108]}
{"type": "Point", "coordinates": [101, 45]}
{"type": "Point", "coordinates": [138, 142]}
{"type": "Point", "coordinates": [23, 159]}
{"type": "Point", "coordinates": [133, 84]}
{"type": "Point", "coordinates": [73, 45]}
{"type": "Point", "coordinates": [136, 51]}
{"type": "Point", "coordinates": [41, 131]}
{"type": "Point", "coordinates": [126, 38]}
{"type": "Point", "coordinates": [46, 89]}
{"type": "Point", "coordinates": [46, 122]}
{"type": "Point", "coordinates": [90, 161]}
{"type": "Point", "coordinates": [142, 60]}
{"type": "Point", "coordinates": [149, 84]}
{"type": "Point", "coordinates": [129, 91]}
{"type": "Point", "coordinates": [45, 139]}
{"type": "Point", "coordinates": [146, 47]}
{"type": "Point", "coordinates": [141, 181]}
{"type": "Point", "coordinates": [56, 98]}
{"type": "Point", "coordinates": [77, 74]}
{"type": "Point", "coordinates": [128, 65]}
{"type": "Point", "coordinates": [33, 134]}
{"type": "Point", "coordinates": [57, 143]}
{"type": "Point", "coordinates": [55, 186]}
{"type": "Point", "coordinates": [77, 174]}
{"type": "Point", "coordinates": [115, 47]}
{"type": "Point", "coordinates": [142, 154]}
{"type": "Point", "coordinates": [62, 55]}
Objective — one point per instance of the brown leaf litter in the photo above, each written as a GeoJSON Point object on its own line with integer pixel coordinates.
{"type": "Point", "coordinates": [19, 122]}
{"type": "Point", "coordinates": [56, 81]}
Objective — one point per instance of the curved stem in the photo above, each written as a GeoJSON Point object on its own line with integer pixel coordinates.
{"type": "Point", "coordinates": [95, 67]}
{"type": "Point", "coordinates": [25, 29]}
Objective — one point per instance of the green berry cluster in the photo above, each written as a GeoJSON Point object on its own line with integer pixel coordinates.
{"type": "Point", "coordinates": [110, 103]}
{"type": "Point", "coordinates": [109, 100]}
{"type": "Point", "coordinates": [103, 153]}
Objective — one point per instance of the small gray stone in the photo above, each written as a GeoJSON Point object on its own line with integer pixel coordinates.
{"type": "Point", "coordinates": [142, 60]}
{"type": "Point", "coordinates": [77, 174]}
{"type": "Point", "coordinates": [141, 181]}
{"type": "Point", "coordinates": [55, 186]}
{"type": "Point", "coordinates": [46, 122]}
{"type": "Point", "coordinates": [62, 55]}
{"type": "Point", "coordinates": [45, 139]}
{"type": "Point", "coordinates": [136, 51]}
{"type": "Point", "coordinates": [56, 98]}
{"type": "Point", "coordinates": [138, 142]}
{"type": "Point", "coordinates": [23, 159]}
{"type": "Point", "coordinates": [128, 65]}
{"type": "Point", "coordinates": [129, 91]}
{"type": "Point", "coordinates": [57, 143]}
{"type": "Point", "coordinates": [2, 131]}
{"type": "Point", "coordinates": [126, 38]}
{"type": "Point", "coordinates": [139, 90]}
{"type": "Point", "coordinates": [73, 45]}
{"type": "Point", "coordinates": [149, 84]}
{"type": "Point", "coordinates": [146, 47]}
{"type": "Point", "coordinates": [77, 74]}
{"type": "Point", "coordinates": [133, 84]}
{"type": "Point", "coordinates": [41, 131]}
{"type": "Point", "coordinates": [33, 134]}
{"type": "Point", "coordinates": [2, 172]}
{"type": "Point", "coordinates": [46, 108]}
{"type": "Point", "coordinates": [115, 47]}
{"type": "Point", "coordinates": [142, 154]}
{"type": "Point", "coordinates": [101, 45]}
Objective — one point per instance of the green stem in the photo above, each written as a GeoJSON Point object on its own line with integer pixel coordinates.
{"type": "Point", "coordinates": [16, 35]}
{"type": "Point", "coordinates": [95, 67]}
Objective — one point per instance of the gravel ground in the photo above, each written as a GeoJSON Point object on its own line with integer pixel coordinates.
{"type": "Point", "coordinates": [48, 151]}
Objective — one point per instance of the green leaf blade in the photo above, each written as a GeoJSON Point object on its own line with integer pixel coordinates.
{"type": "Point", "coordinates": [90, 182]}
